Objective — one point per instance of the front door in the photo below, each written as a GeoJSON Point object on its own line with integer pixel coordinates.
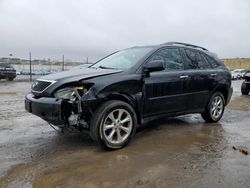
{"type": "Point", "coordinates": [163, 90]}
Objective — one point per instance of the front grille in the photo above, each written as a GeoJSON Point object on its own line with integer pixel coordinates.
{"type": "Point", "coordinates": [40, 86]}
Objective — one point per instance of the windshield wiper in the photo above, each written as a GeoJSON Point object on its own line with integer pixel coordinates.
{"type": "Point", "coordinates": [103, 67]}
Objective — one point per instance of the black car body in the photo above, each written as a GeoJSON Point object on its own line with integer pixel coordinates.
{"type": "Point", "coordinates": [7, 71]}
{"type": "Point", "coordinates": [167, 80]}
{"type": "Point", "coordinates": [245, 87]}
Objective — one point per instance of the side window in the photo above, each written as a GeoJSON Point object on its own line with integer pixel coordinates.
{"type": "Point", "coordinates": [212, 62]}
{"type": "Point", "coordinates": [195, 60]}
{"type": "Point", "coordinates": [192, 59]}
{"type": "Point", "coordinates": [205, 64]}
{"type": "Point", "coordinates": [171, 57]}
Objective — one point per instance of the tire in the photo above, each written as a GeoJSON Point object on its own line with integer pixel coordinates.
{"type": "Point", "coordinates": [9, 79]}
{"type": "Point", "coordinates": [244, 88]}
{"type": "Point", "coordinates": [108, 129]}
{"type": "Point", "coordinates": [215, 108]}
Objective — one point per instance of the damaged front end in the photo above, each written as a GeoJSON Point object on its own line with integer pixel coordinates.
{"type": "Point", "coordinates": [65, 109]}
{"type": "Point", "coordinates": [71, 106]}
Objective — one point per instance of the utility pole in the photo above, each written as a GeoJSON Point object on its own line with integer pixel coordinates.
{"type": "Point", "coordinates": [63, 63]}
{"type": "Point", "coordinates": [10, 55]}
{"type": "Point", "coordinates": [30, 69]}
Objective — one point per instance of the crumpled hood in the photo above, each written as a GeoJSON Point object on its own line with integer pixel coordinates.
{"type": "Point", "coordinates": [79, 74]}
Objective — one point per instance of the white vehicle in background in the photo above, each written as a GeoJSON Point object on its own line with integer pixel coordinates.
{"type": "Point", "coordinates": [237, 74]}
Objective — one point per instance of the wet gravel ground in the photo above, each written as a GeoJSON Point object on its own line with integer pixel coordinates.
{"type": "Point", "coordinates": [176, 152]}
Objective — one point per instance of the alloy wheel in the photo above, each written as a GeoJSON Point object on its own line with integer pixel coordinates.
{"type": "Point", "coordinates": [217, 107]}
{"type": "Point", "coordinates": [117, 126]}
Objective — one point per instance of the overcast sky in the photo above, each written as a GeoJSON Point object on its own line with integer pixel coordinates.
{"type": "Point", "coordinates": [94, 28]}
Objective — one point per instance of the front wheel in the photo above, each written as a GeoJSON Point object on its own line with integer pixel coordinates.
{"type": "Point", "coordinates": [215, 108]}
{"type": "Point", "coordinates": [113, 124]}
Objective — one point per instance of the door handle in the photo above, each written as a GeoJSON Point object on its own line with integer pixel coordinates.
{"type": "Point", "coordinates": [213, 74]}
{"type": "Point", "coordinates": [183, 76]}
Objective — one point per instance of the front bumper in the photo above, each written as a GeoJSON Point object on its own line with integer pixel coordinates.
{"type": "Point", "coordinates": [47, 108]}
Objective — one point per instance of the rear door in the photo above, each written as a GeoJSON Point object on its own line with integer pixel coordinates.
{"type": "Point", "coordinates": [202, 79]}
{"type": "Point", "coordinates": [163, 90]}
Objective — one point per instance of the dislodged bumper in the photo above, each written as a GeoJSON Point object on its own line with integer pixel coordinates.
{"type": "Point", "coordinates": [47, 108]}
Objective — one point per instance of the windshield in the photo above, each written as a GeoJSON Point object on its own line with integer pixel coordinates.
{"type": "Point", "coordinates": [124, 59]}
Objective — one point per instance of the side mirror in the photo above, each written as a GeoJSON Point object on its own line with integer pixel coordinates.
{"type": "Point", "coordinates": [156, 65]}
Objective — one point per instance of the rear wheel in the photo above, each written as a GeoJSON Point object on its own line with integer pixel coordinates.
{"type": "Point", "coordinates": [215, 108]}
{"type": "Point", "coordinates": [113, 124]}
{"type": "Point", "coordinates": [244, 89]}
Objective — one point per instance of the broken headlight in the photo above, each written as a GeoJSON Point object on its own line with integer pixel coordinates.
{"type": "Point", "coordinates": [70, 93]}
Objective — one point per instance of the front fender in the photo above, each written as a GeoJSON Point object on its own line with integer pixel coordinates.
{"type": "Point", "coordinates": [128, 90]}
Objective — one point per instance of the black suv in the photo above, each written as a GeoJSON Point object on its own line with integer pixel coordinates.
{"type": "Point", "coordinates": [7, 71]}
{"type": "Point", "coordinates": [112, 97]}
{"type": "Point", "coordinates": [245, 86]}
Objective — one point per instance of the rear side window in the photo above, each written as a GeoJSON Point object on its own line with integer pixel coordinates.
{"type": "Point", "coordinates": [211, 61]}
{"type": "Point", "coordinates": [195, 60]}
{"type": "Point", "coordinates": [206, 64]}
{"type": "Point", "coordinates": [171, 56]}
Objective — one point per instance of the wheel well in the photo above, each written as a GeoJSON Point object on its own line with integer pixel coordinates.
{"type": "Point", "coordinates": [126, 99]}
{"type": "Point", "coordinates": [224, 93]}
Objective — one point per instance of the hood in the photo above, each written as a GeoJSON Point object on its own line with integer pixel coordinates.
{"type": "Point", "coordinates": [79, 74]}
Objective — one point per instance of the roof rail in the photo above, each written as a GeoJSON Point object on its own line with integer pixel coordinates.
{"type": "Point", "coordinates": [184, 44]}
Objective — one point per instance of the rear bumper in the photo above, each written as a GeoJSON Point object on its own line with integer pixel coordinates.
{"type": "Point", "coordinates": [47, 108]}
{"type": "Point", "coordinates": [230, 92]}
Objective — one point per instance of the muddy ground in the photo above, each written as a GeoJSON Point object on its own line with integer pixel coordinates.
{"type": "Point", "coordinates": [177, 152]}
